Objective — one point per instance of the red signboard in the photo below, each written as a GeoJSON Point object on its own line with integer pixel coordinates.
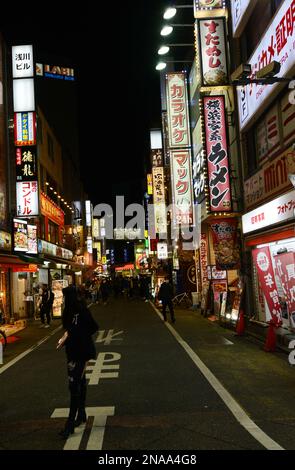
{"type": "Point", "coordinates": [217, 153]}
{"type": "Point", "coordinates": [263, 263]}
{"type": "Point", "coordinates": [51, 210]}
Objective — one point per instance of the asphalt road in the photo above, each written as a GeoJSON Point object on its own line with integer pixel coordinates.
{"type": "Point", "coordinates": [154, 386]}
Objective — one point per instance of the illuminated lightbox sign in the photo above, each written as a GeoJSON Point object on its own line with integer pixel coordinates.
{"type": "Point", "coordinates": [26, 166]}
{"type": "Point", "coordinates": [55, 71]}
{"type": "Point", "coordinates": [162, 250]}
{"type": "Point", "coordinates": [275, 211]}
{"type": "Point", "coordinates": [217, 153]}
{"type": "Point", "coordinates": [177, 107]}
{"type": "Point", "coordinates": [22, 61]}
{"type": "Point", "coordinates": [212, 50]}
{"type": "Point", "coordinates": [32, 240]}
{"type": "Point", "coordinates": [25, 129]}
{"type": "Point", "coordinates": [277, 45]}
{"type": "Point", "coordinates": [20, 235]}
{"type": "Point", "coordinates": [27, 200]}
{"type": "Point", "coordinates": [181, 177]}
{"type": "Point", "coordinates": [23, 95]}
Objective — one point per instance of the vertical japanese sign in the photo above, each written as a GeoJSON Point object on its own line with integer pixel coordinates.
{"type": "Point", "coordinates": [26, 164]}
{"type": "Point", "coordinates": [159, 199]}
{"type": "Point", "coordinates": [263, 263]}
{"type": "Point", "coordinates": [217, 153]}
{"type": "Point", "coordinates": [25, 128]}
{"type": "Point", "coordinates": [225, 243]}
{"type": "Point", "coordinates": [203, 258]}
{"type": "Point", "coordinates": [285, 270]}
{"type": "Point", "coordinates": [27, 200]}
{"type": "Point", "coordinates": [27, 197]}
{"type": "Point", "coordinates": [177, 108]}
{"type": "Point", "coordinates": [212, 51]}
{"type": "Point", "coordinates": [181, 176]}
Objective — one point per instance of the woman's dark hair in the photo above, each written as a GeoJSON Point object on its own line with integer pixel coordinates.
{"type": "Point", "coordinates": [74, 302]}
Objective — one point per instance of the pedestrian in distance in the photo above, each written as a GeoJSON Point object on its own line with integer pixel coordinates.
{"type": "Point", "coordinates": [79, 327]}
{"type": "Point", "coordinates": [46, 306]}
{"type": "Point", "coordinates": [166, 295]}
{"type": "Point", "coordinates": [104, 290]}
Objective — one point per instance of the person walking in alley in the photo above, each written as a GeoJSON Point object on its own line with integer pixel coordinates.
{"type": "Point", "coordinates": [79, 327]}
{"type": "Point", "coordinates": [166, 295]}
{"type": "Point", "coordinates": [104, 290]}
{"type": "Point", "coordinates": [46, 306]}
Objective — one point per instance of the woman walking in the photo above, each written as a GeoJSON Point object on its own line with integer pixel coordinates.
{"type": "Point", "coordinates": [79, 327]}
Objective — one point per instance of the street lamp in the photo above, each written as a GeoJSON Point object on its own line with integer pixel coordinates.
{"type": "Point", "coordinates": [163, 65]}
{"type": "Point", "coordinates": [170, 12]}
{"type": "Point", "coordinates": [166, 48]}
{"type": "Point", "coordinates": [163, 50]}
{"type": "Point", "coordinates": [168, 28]}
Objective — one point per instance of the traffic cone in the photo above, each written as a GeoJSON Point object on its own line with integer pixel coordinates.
{"type": "Point", "coordinates": [270, 343]}
{"type": "Point", "coordinates": [240, 328]}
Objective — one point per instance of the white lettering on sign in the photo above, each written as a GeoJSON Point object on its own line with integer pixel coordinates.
{"type": "Point", "coordinates": [95, 440]}
{"type": "Point", "coordinates": [275, 211]}
{"type": "Point", "coordinates": [96, 369]}
{"type": "Point", "coordinates": [107, 337]}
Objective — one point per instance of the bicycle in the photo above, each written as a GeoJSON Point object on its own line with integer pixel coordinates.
{"type": "Point", "coordinates": [182, 300]}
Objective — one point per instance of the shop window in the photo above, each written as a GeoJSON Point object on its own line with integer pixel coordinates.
{"type": "Point", "coordinates": [53, 230]}
{"type": "Point", "coordinates": [42, 233]}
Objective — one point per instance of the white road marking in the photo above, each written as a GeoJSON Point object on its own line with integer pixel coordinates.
{"type": "Point", "coordinates": [95, 441]}
{"type": "Point", "coordinates": [226, 341]}
{"type": "Point", "coordinates": [107, 338]}
{"type": "Point", "coordinates": [94, 369]}
{"type": "Point", "coordinates": [28, 351]}
{"type": "Point", "coordinates": [227, 398]}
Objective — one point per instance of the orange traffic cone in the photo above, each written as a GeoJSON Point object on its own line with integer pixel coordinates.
{"type": "Point", "coordinates": [270, 343]}
{"type": "Point", "coordinates": [240, 328]}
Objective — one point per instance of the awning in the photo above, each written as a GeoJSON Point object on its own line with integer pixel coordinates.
{"type": "Point", "coordinates": [31, 259]}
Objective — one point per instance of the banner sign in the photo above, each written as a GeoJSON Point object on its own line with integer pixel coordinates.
{"type": "Point", "coordinates": [32, 240]}
{"type": "Point", "coordinates": [159, 199]}
{"type": "Point", "coordinates": [263, 263]}
{"type": "Point", "coordinates": [212, 51]}
{"type": "Point", "coordinates": [285, 270]}
{"type": "Point", "coordinates": [27, 200]}
{"type": "Point", "coordinates": [26, 164]}
{"type": "Point", "coordinates": [25, 129]}
{"type": "Point", "coordinates": [217, 153]}
{"type": "Point", "coordinates": [51, 210]}
{"type": "Point", "coordinates": [203, 258]}
{"type": "Point", "coordinates": [225, 243]}
{"type": "Point", "coordinates": [274, 212]}
{"type": "Point", "coordinates": [277, 45]}
{"type": "Point", "coordinates": [177, 107]}
{"type": "Point", "coordinates": [181, 176]}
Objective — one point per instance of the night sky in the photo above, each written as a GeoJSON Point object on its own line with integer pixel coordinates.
{"type": "Point", "coordinates": [105, 116]}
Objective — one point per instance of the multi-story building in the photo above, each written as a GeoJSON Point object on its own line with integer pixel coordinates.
{"type": "Point", "coordinates": [263, 34]}
{"type": "Point", "coordinates": [38, 242]}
